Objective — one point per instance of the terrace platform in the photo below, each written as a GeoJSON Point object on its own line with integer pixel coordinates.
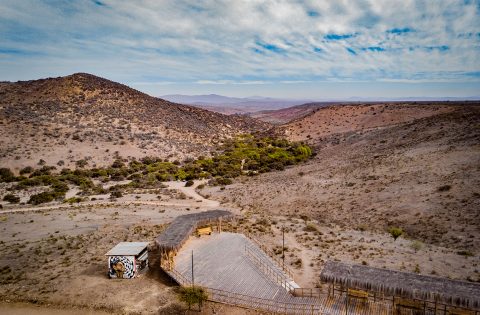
{"type": "Point", "coordinates": [236, 269]}
{"type": "Point", "coordinates": [228, 265]}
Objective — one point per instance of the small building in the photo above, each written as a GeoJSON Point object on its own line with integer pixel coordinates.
{"type": "Point", "coordinates": [127, 259]}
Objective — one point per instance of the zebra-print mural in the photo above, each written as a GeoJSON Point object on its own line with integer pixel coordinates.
{"type": "Point", "coordinates": [121, 267]}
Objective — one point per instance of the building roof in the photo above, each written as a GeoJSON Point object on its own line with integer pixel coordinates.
{"type": "Point", "coordinates": [183, 226]}
{"type": "Point", "coordinates": [403, 284]}
{"type": "Point", "coordinates": [127, 249]}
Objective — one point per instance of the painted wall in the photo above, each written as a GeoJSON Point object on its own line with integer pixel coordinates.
{"type": "Point", "coordinates": [122, 267]}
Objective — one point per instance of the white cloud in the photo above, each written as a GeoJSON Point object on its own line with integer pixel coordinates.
{"type": "Point", "coordinates": [242, 42]}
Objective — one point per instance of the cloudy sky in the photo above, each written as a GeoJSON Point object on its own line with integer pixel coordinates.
{"type": "Point", "coordinates": [311, 49]}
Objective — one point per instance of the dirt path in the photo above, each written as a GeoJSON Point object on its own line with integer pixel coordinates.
{"type": "Point", "coordinates": [190, 191]}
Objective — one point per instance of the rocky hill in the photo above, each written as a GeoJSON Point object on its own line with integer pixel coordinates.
{"type": "Point", "coordinates": [84, 117]}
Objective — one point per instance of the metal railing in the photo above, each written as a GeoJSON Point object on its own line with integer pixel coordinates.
{"type": "Point", "coordinates": [270, 254]}
{"type": "Point", "coordinates": [265, 266]}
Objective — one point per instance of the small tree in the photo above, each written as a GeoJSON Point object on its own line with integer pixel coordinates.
{"type": "Point", "coordinates": [395, 232]}
{"type": "Point", "coordinates": [193, 295]}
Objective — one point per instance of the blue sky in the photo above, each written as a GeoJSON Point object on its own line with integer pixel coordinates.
{"type": "Point", "coordinates": [297, 49]}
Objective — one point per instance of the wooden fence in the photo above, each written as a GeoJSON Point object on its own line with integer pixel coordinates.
{"type": "Point", "coordinates": [270, 253]}
{"type": "Point", "coordinates": [251, 302]}
{"type": "Point", "coordinates": [395, 303]}
{"type": "Point", "coordinates": [266, 267]}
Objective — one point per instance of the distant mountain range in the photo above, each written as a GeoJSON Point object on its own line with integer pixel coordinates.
{"type": "Point", "coordinates": [234, 105]}
{"type": "Point", "coordinates": [243, 105]}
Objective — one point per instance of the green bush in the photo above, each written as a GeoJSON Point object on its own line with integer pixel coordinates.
{"type": "Point", "coordinates": [26, 170]}
{"type": "Point", "coordinates": [6, 175]}
{"type": "Point", "coordinates": [395, 232]}
{"type": "Point", "coordinates": [43, 197]}
{"type": "Point", "coordinates": [59, 187]}
{"type": "Point", "coordinates": [81, 163]}
{"type": "Point", "coordinates": [118, 164]}
{"type": "Point", "coordinates": [11, 198]}
{"type": "Point", "coordinates": [45, 170]}
{"type": "Point", "coordinates": [220, 181]}
{"type": "Point", "coordinates": [193, 295]}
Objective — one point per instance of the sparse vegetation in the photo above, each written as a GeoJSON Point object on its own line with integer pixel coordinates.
{"type": "Point", "coordinates": [444, 188]}
{"type": "Point", "coordinates": [193, 295]}
{"type": "Point", "coordinates": [416, 245]}
{"type": "Point", "coordinates": [43, 197]}
{"type": "Point", "coordinates": [465, 253]}
{"type": "Point", "coordinates": [11, 198]}
{"type": "Point", "coordinates": [395, 232]}
{"type": "Point", "coordinates": [245, 155]}
{"type": "Point", "coordinates": [6, 175]}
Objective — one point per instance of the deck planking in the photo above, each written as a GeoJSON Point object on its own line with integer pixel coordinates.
{"type": "Point", "coordinates": [220, 262]}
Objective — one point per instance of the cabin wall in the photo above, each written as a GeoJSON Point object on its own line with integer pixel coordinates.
{"type": "Point", "coordinates": [122, 267]}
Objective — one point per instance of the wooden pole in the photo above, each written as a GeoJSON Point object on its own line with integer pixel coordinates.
{"type": "Point", "coordinates": [193, 279]}
{"type": "Point", "coordinates": [283, 245]}
{"type": "Point", "coordinates": [393, 304]}
{"type": "Point", "coordinates": [346, 300]}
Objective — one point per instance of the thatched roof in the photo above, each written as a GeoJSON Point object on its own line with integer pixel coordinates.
{"type": "Point", "coordinates": [183, 226]}
{"type": "Point", "coordinates": [405, 284]}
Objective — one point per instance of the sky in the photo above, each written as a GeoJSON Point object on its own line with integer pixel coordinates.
{"type": "Point", "coordinates": [288, 49]}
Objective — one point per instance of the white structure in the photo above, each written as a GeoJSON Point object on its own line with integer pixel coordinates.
{"type": "Point", "coordinates": [127, 259]}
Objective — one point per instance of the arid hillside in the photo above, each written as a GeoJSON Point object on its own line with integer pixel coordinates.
{"type": "Point", "coordinates": [84, 117]}
{"type": "Point", "coordinates": [379, 166]}
{"type": "Point", "coordinates": [347, 118]}
{"type": "Point", "coordinates": [286, 115]}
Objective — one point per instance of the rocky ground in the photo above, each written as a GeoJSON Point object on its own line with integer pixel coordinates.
{"type": "Point", "coordinates": [419, 174]}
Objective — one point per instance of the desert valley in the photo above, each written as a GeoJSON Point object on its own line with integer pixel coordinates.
{"type": "Point", "coordinates": [108, 163]}
{"type": "Point", "coordinates": [241, 157]}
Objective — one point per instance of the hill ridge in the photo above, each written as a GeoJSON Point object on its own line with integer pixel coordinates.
{"type": "Point", "coordinates": [96, 111]}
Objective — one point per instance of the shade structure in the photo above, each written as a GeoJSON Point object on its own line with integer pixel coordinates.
{"type": "Point", "coordinates": [183, 226]}
{"type": "Point", "coordinates": [403, 284]}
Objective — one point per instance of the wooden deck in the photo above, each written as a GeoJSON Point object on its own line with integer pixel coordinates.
{"type": "Point", "coordinates": [236, 271]}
